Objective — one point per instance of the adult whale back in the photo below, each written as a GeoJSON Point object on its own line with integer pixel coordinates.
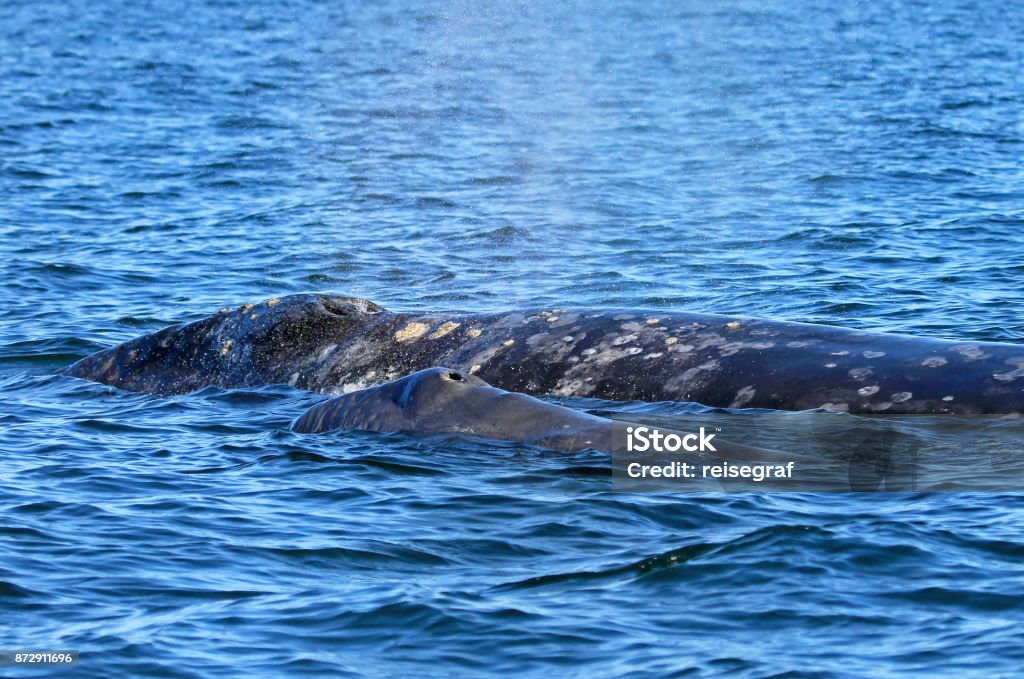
{"type": "Point", "coordinates": [334, 344]}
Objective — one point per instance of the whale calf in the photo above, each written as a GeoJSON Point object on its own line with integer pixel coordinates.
{"type": "Point", "coordinates": [442, 400]}
{"type": "Point", "coordinates": [332, 344]}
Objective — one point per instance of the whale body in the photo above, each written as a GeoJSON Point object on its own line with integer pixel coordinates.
{"type": "Point", "coordinates": [442, 400]}
{"type": "Point", "coordinates": [334, 344]}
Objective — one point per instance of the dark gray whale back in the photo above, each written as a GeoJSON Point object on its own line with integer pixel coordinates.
{"type": "Point", "coordinates": [442, 400]}
{"type": "Point", "coordinates": [333, 344]}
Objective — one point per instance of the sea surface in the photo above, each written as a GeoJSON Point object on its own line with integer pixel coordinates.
{"type": "Point", "coordinates": [840, 162]}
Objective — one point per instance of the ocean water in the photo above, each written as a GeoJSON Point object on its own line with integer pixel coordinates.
{"type": "Point", "coordinates": [852, 163]}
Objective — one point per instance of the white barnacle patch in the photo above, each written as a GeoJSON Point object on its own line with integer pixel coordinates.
{"type": "Point", "coordinates": [567, 338]}
{"type": "Point", "coordinates": [589, 352]}
{"type": "Point", "coordinates": [624, 339]}
{"type": "Point", "coordinates": [653, 354]}
{"type": "Point", "coordinates": [969, 352]}
{"type": "Point", "coordinates": [947, 398]}
{"type": "Point", "coordinates": [474, 368]}
{"type": "Point", "coordinates": [226, 347]}
{"type": "Point", "coordinates": [733, 325]}
{"type": "Point", "coordinates": [743, 396]}
{"type": "Point", "coordinates": [1011, 375]}
{"type": "Point", "coordinates": [902, 396]}
{"type": "Point", "coordinates": [254, 317]}
{"type": "Point", "coordinates": [830, 365]}
{"type": "Point", "coordinates": [508, 343]}
{"type": "Point", "coordinates": [413, 330]}
{"type": "Point", "coordinates": [473, 333]}
{"type": "Point", "coordinates": [934, 362]}
{"type": "Point", "coordinates": [633, 351]}
{"type": "Point", "coordinates": [860, 373]}
{"type": "Point", "coordinates": [245, 307]}
{"type": "Point", "coordinates": [653, 321]}
{"type": "Point", "coordinates": [443, 329]}
{"type": "Point", "coordinates": [873, 354]}
{"type": "Point", "coordinates": [671, 340]}
{"type": "Point", "coordinates": [868, 391]}
{"type": "Point", "coordinates": [273, 302]}
{"type": "Point", "coordinates": [552, 319]}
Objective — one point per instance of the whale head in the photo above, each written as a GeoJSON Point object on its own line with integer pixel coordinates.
{"type": "Point", "coordinates": [431, 400]}
{"type": "Point", "coordinates": [305, 321]}
{"type": "Point", "coordinates": [433, 390]}
{"type": "Point", "coordinates": [272, 341]}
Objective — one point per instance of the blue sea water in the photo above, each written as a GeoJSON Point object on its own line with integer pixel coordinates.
{"type": "Point", "coordinates": [852, 163]}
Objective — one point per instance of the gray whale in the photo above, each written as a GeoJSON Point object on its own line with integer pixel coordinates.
{"type": "Point", "coordinates": [443, 400]}
{"type": "Point", "coordinates": [333, 344]}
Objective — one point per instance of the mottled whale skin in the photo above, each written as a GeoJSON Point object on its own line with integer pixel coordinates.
{"type": "Point", "coordinates": [443, 400]}
{"type": "Point", "coordinates": [335, 344]}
